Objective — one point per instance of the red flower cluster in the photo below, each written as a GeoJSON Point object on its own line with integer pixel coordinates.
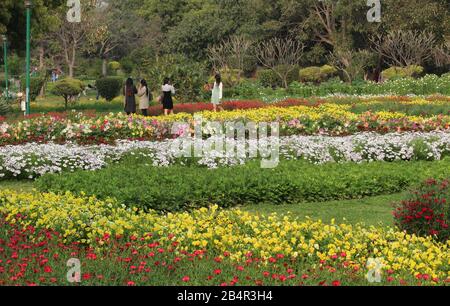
{"type": "Point", "coordinates": [30, 258]}
{"type": "Point", "coordinates": [427, 210]}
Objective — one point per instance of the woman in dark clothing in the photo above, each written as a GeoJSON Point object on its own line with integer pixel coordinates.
{"type": "Point", "coordinates": [167, 92]}
{"type": "Point", "coordinates": [130, 99]}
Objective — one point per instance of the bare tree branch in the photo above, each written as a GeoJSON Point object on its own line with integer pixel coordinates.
{"type": "Point", "coordinates": [280, 55]}
{"type": "Point", "coordinates": [405, 48]}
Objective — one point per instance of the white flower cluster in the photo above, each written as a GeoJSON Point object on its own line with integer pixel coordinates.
{"type": "Point", "coordinates": [33, 160]}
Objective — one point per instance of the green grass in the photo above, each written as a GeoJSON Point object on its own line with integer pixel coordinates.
{"type": "Point", "coordinates": [370, 211]}
{"type": "Point", "coordinates": [16, 185]}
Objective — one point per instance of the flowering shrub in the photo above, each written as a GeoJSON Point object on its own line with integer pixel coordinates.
{"type": "Point", "coordinates": [232, 234]}
{"type": "Point", "coordinates": [427, 210]}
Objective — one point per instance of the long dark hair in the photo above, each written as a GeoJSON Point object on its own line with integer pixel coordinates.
{"type": "Point", "coordinates": [129, 87]}
{"type": "Point", "coordinates": [144, 83]}
{"type": "Point", "coordinates": [166, 81]}
{"type": "Point", "coordinates": [218, 79]}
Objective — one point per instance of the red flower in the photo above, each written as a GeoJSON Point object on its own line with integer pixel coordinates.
{"type": "Point", "coordinates": [240, 268]}
{"type": "Point", "coordinates": [336, 283]}
{"type": "Point", "coordinates": [186, 279]}
{"type": "Point", "coordinates": [217, 272]}
{"type": "Point", "coordinates": [48, 269]}
{"type": "Point", "coordinates": [131, 283]}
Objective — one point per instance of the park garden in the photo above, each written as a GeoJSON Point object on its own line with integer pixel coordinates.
{"type": "Point", "coordinates": [358, 117]}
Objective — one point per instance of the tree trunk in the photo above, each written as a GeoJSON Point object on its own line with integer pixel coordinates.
{"type": "Point", "coordinates": [70, 70]}
{"type": "Point", "coordinates": [42, 67]}
{"type": "Point", "coordinates": [104, 67]}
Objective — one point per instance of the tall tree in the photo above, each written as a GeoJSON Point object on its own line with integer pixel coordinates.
{"type": "Point", "coordinates": [118, 26]}
{"type": "Point", "coordinates": [71, 35]}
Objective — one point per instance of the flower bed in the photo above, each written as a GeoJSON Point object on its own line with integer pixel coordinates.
{"type": "Point", "coordinates": [326, 118]}
{"type": "Point", "coordinates": [239, 235]}
{"type": "Point", "coordinates": [33, 160]}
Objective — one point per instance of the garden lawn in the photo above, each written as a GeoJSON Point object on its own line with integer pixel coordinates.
{"type": "Point", "coordinates": [17, 185]}
{"type": "Point", "coordinates": [370, 211]}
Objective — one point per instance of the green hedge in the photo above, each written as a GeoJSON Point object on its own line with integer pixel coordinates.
{"type": "Point", "coordinates": [183, 187]}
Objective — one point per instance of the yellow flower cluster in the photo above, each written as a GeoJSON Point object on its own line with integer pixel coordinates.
{"type": "Point", "coordinates": [341, 112]}
{"type": "Point", "coordinates": [84, 219]}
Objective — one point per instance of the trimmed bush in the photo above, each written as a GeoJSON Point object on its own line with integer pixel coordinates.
{"type": "Point", "coordinates": [426, 211]}
{"type": "Point", "coordinates": [178, 188]}
{"type": "Point", "coordinates": [268, 78]}
{"type": "Point", "coordinates": [36, 84]}
{"type": "Point", "coordinates": [412, 71]}
{"type": "Point", "coordinates": [317, 74]}
{"type": "Point", "coordinates": [109, 87]}
{"type": "Point", "coordinates": [67, 88]}
{"type": "Point", "coordinates": [310, 74]}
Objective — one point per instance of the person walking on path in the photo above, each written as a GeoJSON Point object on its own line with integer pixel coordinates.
{"type": "Point", "coordinates": [144, 95]}
{"type": "Point", "coordinates": [217, 93]}
{"type": "Point", "coordinates": [130, 99]}
{"type": "Point", "coordinates": [166, 99]}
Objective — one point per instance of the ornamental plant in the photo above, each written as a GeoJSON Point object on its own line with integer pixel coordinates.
{"type": "Point", "coordinates": [109, 87]}
{"type": "Point", "coordinates": [5, 106]}
{"type": "Point", "coordinates": [68, 88]}
{"type": "Point", "coordinates": [426, 211]}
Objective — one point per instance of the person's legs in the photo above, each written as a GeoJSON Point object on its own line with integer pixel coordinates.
{"type": "Point", "coordinates": [128, 113]}
{"type": "Point", "coordinates": [166, 112]}
{"type": "Point", "coordinates": [215, 107]}
{"type": "Point", "coordinates": [144, 112]}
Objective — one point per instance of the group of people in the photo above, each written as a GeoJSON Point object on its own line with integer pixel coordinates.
{"type": "Point", "coordinates": [165, 98]}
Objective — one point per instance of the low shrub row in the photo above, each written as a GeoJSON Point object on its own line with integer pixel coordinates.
{"type": "Point", "coordinates": [178, 188]}
{"type": "Point", "coordinates": [427, 85]}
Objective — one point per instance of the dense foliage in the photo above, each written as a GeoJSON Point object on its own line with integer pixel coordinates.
{"type": "Point", "coordinates": [179, 187]}
{"type": "Point", "coordinates": [109, 87]}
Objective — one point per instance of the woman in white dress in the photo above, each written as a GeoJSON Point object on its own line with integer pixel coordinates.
{"type": "Point", "coordinates": [217, 93]}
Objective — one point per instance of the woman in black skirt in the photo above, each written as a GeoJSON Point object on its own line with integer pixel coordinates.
{"type": "Point", "coordinates": [166, 99]}
{"type": "Point", "coordinates": [130, 99]}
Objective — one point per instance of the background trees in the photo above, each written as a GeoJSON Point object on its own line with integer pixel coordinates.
{"type": "Point", "coordinates": [142, 34]}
